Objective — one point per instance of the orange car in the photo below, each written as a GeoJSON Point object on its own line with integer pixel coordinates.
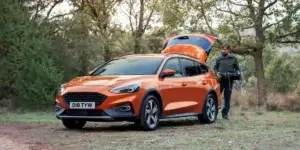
{"type": "Point", "coordinates": [145, 88]}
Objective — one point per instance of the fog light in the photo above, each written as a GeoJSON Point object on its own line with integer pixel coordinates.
{"type": "Point", "coordinates": [57, 107]}
{"type": "Point", "coordinates": [124, 108]}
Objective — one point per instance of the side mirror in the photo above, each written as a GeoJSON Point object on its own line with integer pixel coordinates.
{"type": "Point", "coordinates": [168, 73]}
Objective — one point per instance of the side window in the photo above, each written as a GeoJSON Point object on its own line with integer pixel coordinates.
{"type": "Point", "coordinates": [174, 64]}
{"type": "Point", "coordinates": [189, 67]}
{"type": "Point", "coordinates": [202, 69]}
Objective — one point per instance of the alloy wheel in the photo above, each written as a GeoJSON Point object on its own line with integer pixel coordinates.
{"type": "Point", "coordinates": [151, 113]}
{"type": "Point", "coordinates": [211, 109]}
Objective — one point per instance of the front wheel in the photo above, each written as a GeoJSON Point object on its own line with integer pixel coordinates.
{"type": "Point", "coordinates": [150, 112]}
{"type": "Point", "coordinates": [210, 112]}
{"type": "Point", "coordinates": [73, 124]}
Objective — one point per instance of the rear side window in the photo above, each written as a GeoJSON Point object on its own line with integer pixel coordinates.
{"type": "Point", "coordinates": [189, 67]}
{"type": "Point", "coordinates": [201, 69]}
{"type": "Point", "coordinates": [174, 64]}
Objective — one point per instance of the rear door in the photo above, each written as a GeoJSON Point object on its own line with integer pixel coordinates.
{"type": "Point", "coordinates": [204, 83]}
{"type": "Point", "coordinates": [195, 85]}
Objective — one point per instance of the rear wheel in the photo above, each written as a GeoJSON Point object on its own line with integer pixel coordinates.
{"type": "Point", "coordinates": [150, 112]}
{"type": "Point", "coordinates": [137, 122]}
{"type": "Point", "coordinates": [210, 112]}
{"type": "Point", "coordinates": [73, 124]}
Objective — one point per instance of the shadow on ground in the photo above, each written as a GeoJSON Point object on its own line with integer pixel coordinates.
{"type": "Point", "coordinates": [132, 127]}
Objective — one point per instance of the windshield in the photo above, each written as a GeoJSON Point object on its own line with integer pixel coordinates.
{"type": "Point", "coordinates": [130, 66]}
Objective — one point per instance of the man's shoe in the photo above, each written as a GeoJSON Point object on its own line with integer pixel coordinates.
{"type": "Point", "coordinates": [225, 117]}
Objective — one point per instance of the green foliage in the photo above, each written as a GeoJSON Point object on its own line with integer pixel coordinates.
{"type": "Point", "coordinates": [247, 66]}
{"type": "Point", "coordinates": [295, 63]}
{"type": "Point", "coordinates": [173, 14]}
{"type": "Point", "coordinates": [82, 51]}
{"type": "Point", "coordinates": [27, 66]}
{"type": "Point", "coordinates": [37, 55]}
{"type": "Point", "coordinates": [281, 76]}
{"type": "Point", "coordinates": [154, 40]}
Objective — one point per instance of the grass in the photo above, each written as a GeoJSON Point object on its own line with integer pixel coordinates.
{"type": "Point", "coordinates": [245, 130]}
{"type": "Point", "coordinates": [40, 117]}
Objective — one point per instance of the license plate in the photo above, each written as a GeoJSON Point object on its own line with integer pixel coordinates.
{"type": "Point", "coordinates": [82, 105]}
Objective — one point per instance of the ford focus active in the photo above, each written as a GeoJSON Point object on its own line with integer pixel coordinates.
{"type": "Point", "coordinates": [145, 88]}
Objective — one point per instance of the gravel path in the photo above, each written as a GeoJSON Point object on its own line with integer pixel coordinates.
{"type": "Point", "coordinates": [10, 144]}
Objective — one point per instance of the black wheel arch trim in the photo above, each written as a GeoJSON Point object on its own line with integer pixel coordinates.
{"type": "Point", "coordinates": [211, 90]}
{"type": "Point", "coordinates": [157, 93]}
{"type": "Point", "coordinates": [202, 117]}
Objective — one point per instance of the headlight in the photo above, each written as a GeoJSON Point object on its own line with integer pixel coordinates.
{"type": "Point", "coordinates": [60, 89]}
{"type": "Point", "coordinates": [128, 88]}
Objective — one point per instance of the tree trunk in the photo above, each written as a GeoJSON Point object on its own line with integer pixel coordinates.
{"type": "Point", "coordinates": [84, 62]}
{"type": "Point", "coordinates": [140, 29]}
{"type": "Point", "coordinates": [83, 46]}
{"type": "Point", "coordinates": [137, 45]}
{"type": "Point", "coordinates": [261, 86]}
{"type": "Point", "coordinates": [107, 53]}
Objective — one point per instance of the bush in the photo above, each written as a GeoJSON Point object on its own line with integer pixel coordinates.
{"type": "Point", "coordinates": [246, 99]}
{"type": "Point", "coordinates": [26, 66]}
{"type": "Point", "coordinates": [282, 102]}
{"type": "Point", "coordinates": [281, 76]}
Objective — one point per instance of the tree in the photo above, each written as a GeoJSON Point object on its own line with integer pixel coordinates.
{"type": "Point", "coordinates": [140, 14]}
{"type": "Point", "coordinates": [101, 12]}
{"type": "Point", "coordinates": [281, 75]}
{"type": "Point", "coordinates": [26, 63]}
{"type": "Point", "coordinates": [82, 47]}
{"type": "Point", "coordinates": [273, 21]}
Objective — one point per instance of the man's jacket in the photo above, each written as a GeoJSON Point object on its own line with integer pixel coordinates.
{"type": "Point", "coordinates": [227, 66]}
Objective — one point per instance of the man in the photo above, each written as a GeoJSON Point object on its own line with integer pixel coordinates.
{"type": "Point", "coordinates": [225, 67]}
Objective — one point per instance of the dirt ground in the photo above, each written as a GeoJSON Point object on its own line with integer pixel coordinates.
{"type": "Point", "coordinates": [247, 130]}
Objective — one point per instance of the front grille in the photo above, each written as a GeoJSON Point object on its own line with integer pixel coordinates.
{"type": "Point", "coordinates": [69, 112]}
{"type": "Point", "coordinates": [84, 97]}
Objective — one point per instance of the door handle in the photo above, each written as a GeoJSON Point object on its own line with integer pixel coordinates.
{"type": "Point", "coordinates": [183, 84]}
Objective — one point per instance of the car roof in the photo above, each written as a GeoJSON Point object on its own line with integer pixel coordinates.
{"type": "Point", "coordinates": [141, 55]}
{"type": "Point", "coordinates": [172, 54]}
{"type": "Point", "coordinates": [159, 55]}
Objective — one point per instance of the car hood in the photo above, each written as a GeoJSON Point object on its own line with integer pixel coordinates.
{"type": "Point", "coordinates": [103, 80]}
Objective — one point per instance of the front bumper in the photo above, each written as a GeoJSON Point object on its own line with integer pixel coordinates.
{"type": "Point", "coordinates": [114, 114]}
{"type": "Point", "coordinates": [107, 105]}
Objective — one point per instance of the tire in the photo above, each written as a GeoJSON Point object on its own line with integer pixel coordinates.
{"type": "Point", "coordinates": [149, 114]}
{"type": "Point", "coordinates": [137, 122]}
{"type": "Point", "coordinates": [73, 124]}
{"type": "Point", "coordinates": [210, 110]}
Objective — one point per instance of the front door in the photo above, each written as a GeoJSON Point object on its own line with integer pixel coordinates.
{"type": "Point", "coordinates": [171, 88]}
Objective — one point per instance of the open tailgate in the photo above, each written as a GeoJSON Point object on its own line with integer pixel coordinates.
{"type": "Point", "coordinates": [195, 45]}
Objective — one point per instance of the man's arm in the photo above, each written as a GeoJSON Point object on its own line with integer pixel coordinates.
{"type": "Point", "coordinates": [236, 65]}
{"type": "Point", "coordinates": [216, 66]}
